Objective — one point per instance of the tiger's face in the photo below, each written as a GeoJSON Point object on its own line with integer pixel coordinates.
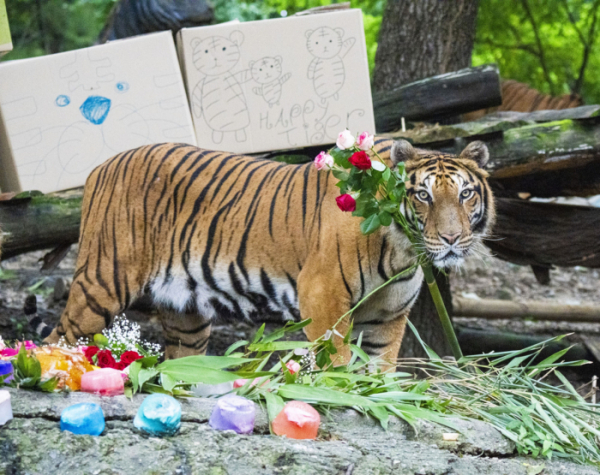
{"type": "Point", "coordinates": [324, 42]}
{"type": "Point", "coordinates": [266, 69]}
{"type": "Point", "coordinates": [453, 203]}
{"type": "Point", "coordinates": [217, 55]}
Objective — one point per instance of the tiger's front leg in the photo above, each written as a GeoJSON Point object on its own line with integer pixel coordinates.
{"type": "Point", "coordinates": [186, 334]}
{"type": "Point", "coordinates": [382, 340]}
{"type": "Point", "coordinates": [320, 302]}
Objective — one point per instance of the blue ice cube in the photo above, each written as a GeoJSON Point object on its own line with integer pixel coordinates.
{"type": "Point", "coordinates": [159, 414]}
{"type": "Point", "coordinates": [85, 418]}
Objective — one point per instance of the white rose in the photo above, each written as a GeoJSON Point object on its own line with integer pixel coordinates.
{"type": "Point", "coordinates": [345, 140]}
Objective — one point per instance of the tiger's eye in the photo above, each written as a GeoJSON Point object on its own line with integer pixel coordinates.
{"type": "Point", "coordinates": [423, 195]}
{"type": "Point", "coordinates": [466, 193]}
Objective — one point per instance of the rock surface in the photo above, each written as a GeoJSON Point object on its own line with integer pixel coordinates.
{"type": "Point", "coordinates": [32, 443]}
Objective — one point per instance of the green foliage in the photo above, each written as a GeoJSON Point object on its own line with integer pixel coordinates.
{"type": "Point", "coordinates": [28, 373]}
{"type": "Point", "coordinates": [545, 48]}
{"type": "Point", "coordinates": [51, 26]}
{"type": "Point", "coordinates": [507, 390]}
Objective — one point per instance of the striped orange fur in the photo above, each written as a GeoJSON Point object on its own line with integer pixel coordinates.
{"type": "Point", "coordinates": [211, 234]}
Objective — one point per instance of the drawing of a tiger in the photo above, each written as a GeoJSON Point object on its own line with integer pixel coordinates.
{"type": "Point", "coordinates": [213, 234]}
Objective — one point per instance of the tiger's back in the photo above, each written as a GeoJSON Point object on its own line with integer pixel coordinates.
{"type": "Point", "coordinates": [213, 234]}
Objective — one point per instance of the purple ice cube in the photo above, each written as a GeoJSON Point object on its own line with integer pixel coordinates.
{"type": "Point", "coordinates": [233, 413]}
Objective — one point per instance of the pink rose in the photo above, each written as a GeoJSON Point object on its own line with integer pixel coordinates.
{"type": "Point", "coordinates": [293, 366]}
{"type": "Point", "coordinates": [345, 140]}
{"type": "Point", "coordinates": [365, 141]}
{"type": "Point", "coordinates": [8, 352]}
{"type": "Point", "coordinates": [238, 383]}
{"type": "Point", "coordinates": [29, 345]}
{"type": "Point", "coordinates": [323, 160]}
{"type": "Point", "coordinates": [346, 202]}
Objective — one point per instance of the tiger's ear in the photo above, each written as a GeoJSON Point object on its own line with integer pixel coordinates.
{"type": "Point", "coordinates": [402, 151]}
{"type": "Point", "coordinates": [478, 152]}
{"type": "Point", "coordinates": [237, 37]}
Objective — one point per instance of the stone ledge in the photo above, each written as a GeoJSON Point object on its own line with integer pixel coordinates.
{"type": "Point", "coordinates": [348, 444]}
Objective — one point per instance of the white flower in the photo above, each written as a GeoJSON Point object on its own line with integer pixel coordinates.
{"type": "Point", "coordinates": [365, 141]}
{"type": "Point", "coordinates": [323, 160]}
{"type": "Point", "coordinates": [345, 140]}
{"type": "Point", "coordinates": [301, 351]}
{"type": "Point", "coordinates": [377, 165]}
{"type": "Point", "coordinates": [328, 334]}
{"type": "Point", "coordinates": [2, 345]}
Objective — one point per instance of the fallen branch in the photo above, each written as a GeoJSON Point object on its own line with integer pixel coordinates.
{"type": "Point", "coordinates": [508, 309]}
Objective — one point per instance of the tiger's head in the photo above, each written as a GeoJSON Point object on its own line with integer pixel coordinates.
{"type": "Point", "coordinates": [452, 201]}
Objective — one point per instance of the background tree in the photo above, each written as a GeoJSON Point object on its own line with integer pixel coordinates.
{"type": "Point", "coordinates": [549, 44]}
{"type": "Point", "coordinates": [422, 38]}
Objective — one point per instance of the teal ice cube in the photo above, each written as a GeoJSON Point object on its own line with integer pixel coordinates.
{"type": "Point", "coordinates": [159, 415]}
{"type": "Point", "coordinates": [85, 418]}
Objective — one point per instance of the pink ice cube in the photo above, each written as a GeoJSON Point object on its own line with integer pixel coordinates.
{"type": "Point", "coordinates": [104, 381]}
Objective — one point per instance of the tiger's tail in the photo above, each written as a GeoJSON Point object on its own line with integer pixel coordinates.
{"type": "Point", "coordinates": [35, 322]}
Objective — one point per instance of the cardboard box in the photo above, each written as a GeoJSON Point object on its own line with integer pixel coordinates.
{"type": "Point", "coordinates": [277, 84]}
{"type": "Point", "coordinates": [5, 39]}
{"type": "Point", "coordinates": [65, 114]}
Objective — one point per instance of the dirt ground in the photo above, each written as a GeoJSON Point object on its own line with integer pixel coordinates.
{"type": "Point", "coordinates": [482, 277]}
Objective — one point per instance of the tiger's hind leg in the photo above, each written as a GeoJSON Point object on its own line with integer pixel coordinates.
{"type": "Point", "coordinates": [90, 309]}
{"type": "Point", "coordinates": [186, 334]}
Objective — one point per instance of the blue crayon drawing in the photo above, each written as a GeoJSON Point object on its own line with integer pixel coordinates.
{"type": "Point", "coordinates": [95, 109]}
{"type": "Point", "coordinates": [122, 87]}
{"type": "Point", "coordinates": [62, 100]}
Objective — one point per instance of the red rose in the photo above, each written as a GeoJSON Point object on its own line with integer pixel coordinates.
{"type": "Point", "coordinates": [129, 357]}
{"type": "Point", "coordinates": [360, 160]}
{"type": "Point", "coordinates": [105, 359]}
{"type": "Point", "coordinates": [90, 351]}
{"type": "Point", "coordinates": [346, 202]}
{"type": "Point", "coordinates": [121, 365]}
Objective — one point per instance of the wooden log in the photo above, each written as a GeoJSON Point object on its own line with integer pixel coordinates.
{"type": "Point", "coordinates": [546, 234]}
{"type": "Point", "coordinates": [437, 97]}
{"type": "Point", "coordinates": [508, 309]}
{"type": "Point", "coordinates": [40, 222]}
{"type": "Point", "coordinates": [474, 342]}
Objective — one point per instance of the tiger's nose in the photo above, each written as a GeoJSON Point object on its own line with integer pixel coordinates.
{"type": "Point", "coordinates": [450, 238]}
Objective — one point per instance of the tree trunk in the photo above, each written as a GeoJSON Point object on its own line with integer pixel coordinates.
{"type": "Point", "coordinates": [422, 38]}
{"type": "Point", "coordinates": [419, 39]}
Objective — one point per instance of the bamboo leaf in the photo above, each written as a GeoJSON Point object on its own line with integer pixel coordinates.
{"type": "Point", "coordinates": [322, 395]}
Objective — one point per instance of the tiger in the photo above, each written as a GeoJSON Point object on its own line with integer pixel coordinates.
{"type": "Point", "coordinates": [211, 234]}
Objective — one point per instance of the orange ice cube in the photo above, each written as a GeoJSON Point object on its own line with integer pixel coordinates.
{"type": "Point", "coordinates": [297, 420]}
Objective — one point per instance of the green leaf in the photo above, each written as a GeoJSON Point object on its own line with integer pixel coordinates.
{"type": "Point", "coordinates": [198, 374]}
{"type": "Point", "coordinates": [168, 382]}
{"type": "Point", "coordinates": [201, 361]}
{"type": "Point", "coordinates": [340, 174]}
{"type": "Point", "coordinates": [370, 225]}
{"type": "Point", "coordinates": [322, 396]}
{"type": "Point", "coordinates": [385, 218]}
{"type": "Point", "coordinates": [48, 385]}
{"type": "Point", "coordinates": [145, 375]}
{"type": "Point", "coordinates": [380, 413]}
{"type": "Point", "coordinates": [386, 175]}
{"type": "Point", "coordinates": [259, 333]}
{"type": "Point", "coordinates": [274, 404]}
{"type": "Point", "coordinates": [134, 370]}
{"type": "Point", "coordinates": [100, 340]}
{"type": "Point", "coordinates": [279, 346]}
{"type": "Point", "coordinates": [235, 346]}
{"type": "Point", "coordinates": [360, 353]}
